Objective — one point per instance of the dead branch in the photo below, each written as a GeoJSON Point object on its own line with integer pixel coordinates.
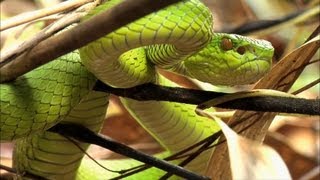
{"type": "Point", "coordinates": [30, 16]}
{"type": "Point", "coordinates": [79, 36]}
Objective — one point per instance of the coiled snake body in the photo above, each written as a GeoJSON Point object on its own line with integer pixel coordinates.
{"type": "Point", "coordinates": [178, 38]}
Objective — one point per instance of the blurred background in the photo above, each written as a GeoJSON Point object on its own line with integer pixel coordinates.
{"type": "Point", "coordinates": [295, 137]}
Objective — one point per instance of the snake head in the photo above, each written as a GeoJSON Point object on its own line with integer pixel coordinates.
{"type": "Point", "coordinates": [231, 60]}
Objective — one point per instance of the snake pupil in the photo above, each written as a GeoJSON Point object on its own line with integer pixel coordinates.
{"type": "Point", "coordinates": [241, 50]}
{"type": "Point", "coordinates": [226, 44]}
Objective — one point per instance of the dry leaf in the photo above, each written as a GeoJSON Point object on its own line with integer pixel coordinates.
{"type": "Point", "coordinates": [250, 159]}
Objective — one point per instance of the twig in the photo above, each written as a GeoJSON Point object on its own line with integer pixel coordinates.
{"type": "Point", "coordinates": [30, 16]}
{"type": "Point", "coordinates": [313, 83]}
{"type": "Point", "coordinates": [85, 135]}
{"type": "Point", "coordinates": [8, 169]}
{"type": "Point", "coordinates": [259, 25]}
{"type": "Point", "coordinates": [45, 33]}
{"type": "Point", "coordinates": [89, 156]}
{"type": "Point", "coordinates": [315, 33]}
{"type": "Point", "coordinates": [314, 61]}
{"type": "Point", "coordinates": [26, 175]}
{"type": "Point", "coordinates": [46, 3]}
{"type": "Point", "coordinates": [47, 18]}
{"type": "Point", "coordinates": [270, 26]}
{"type": "Point", "coordinates": [82, 34]}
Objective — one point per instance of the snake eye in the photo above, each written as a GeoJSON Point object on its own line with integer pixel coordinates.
{"type": "Point", "coordinates": [241, 50]}
{"type": "Point", "coordinates": [226, 44]}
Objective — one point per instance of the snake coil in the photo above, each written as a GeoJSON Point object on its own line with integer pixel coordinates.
{"type": "Point", "coordinates": [178, 38]}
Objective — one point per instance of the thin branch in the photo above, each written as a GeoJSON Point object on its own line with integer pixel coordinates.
{"type": "Point", "coordinates": [258, 25]}
{"type": "Point", "coordinates": [82, 34]}
{"type": "Point", "coordinates": [30, 16]}
{"type": "Point", "coordinates": [150, 91]}
{"type": "Point", "coordinates": [89, 156]}
{"type": "Point", "coordinates": [8, 169]}
{"type": "Point", "coordinates": [308, 86]}
{"type": "Point", "coordinates": [85, 135]}
{"type": "Point", "coordinates": [264, 27]}
{"type": "Point", "coordinates": [26, 175]}
{"type": "Point", "coordinates": [189, 159]}
{"type": "Point", "coordinates": [47, 18]}
{"type": "Point", "coordinates": [315, 33]}
{"type": "Point", "coordinates": [314, 61]}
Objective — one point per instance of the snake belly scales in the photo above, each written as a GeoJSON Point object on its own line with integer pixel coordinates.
{"type": "Point", "coordinates": [178, 38]}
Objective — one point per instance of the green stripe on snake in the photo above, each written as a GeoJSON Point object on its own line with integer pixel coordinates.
{"type": "Point", "coordinates": [178, 38]}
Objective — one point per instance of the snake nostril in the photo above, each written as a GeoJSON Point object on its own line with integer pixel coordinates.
{"type": "Point", "coordinates": [241, 50]}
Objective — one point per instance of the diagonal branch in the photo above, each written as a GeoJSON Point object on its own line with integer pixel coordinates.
{"type": "Point", "coordinates": [82, 34]}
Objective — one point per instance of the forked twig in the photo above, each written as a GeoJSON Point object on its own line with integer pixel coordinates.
{"type": "Point", "coordinates": [45, 33]}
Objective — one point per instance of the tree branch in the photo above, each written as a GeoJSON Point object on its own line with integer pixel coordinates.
{"type": "Point", "coordinates": [150, 91]}
{"type": "Point", "coordinates": [82, 34]}
{"type": "Point", "coordinates": [85, 135]}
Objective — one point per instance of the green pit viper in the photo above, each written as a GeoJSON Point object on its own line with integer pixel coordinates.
{"type": "Point", "coordinates": [178, 38]}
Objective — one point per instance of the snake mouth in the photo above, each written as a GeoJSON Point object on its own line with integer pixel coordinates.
{"type": "Point", "coordinates": [251, 71]}
{"type": "Point", "coordinates": [261, 65]}
{"type": "Point", "coordinates": [246, 73]}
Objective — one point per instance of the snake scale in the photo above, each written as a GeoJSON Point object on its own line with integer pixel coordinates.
{"type": "Point", "coordinates": [178, 38]}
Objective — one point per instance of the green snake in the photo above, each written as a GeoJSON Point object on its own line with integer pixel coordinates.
{"type": "Point", "coordinates": [178, 38]}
